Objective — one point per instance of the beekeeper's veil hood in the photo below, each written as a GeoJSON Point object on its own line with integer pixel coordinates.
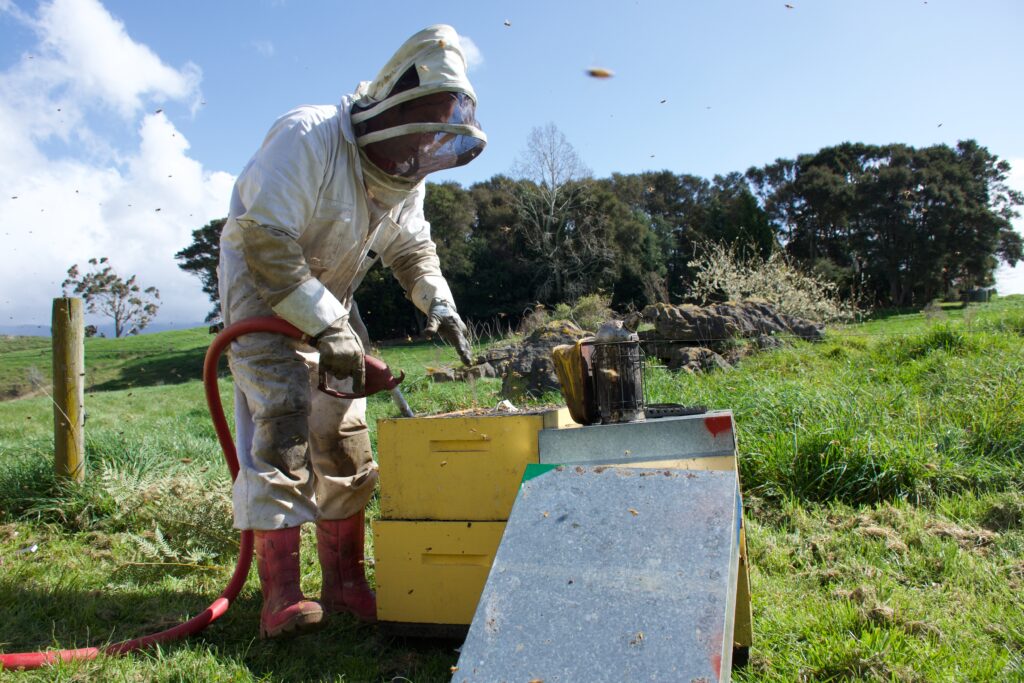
{"type": "Point", "coordinates": [419, 114]}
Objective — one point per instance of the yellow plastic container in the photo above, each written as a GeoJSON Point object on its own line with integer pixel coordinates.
{"type": "Point", "coordinates": [457, 468]}
{"type": "Point", "coordinates": [432, 572]}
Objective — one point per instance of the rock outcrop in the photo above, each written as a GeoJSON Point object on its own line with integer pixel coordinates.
{"type": "Point", "coordinates": [685, 337]}
{"type": "Point", "coordinates": [701, 338]}
{"type": "Point", "coordinates": [530, 370]}
{"type": "Point", "coordinates": [718, 323]}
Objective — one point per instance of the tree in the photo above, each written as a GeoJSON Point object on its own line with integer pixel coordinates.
{"type": "Point", "coordinates": [636, 276]}
{"type": "Point", "coordinates": [734, 218]}
{"type": "Point", "coordinates": [450, 210]}
{"type": "Point", "coordinates": [383, 306]}
{"type": "Point", "coordinates": [502, 280]}
{"type": "Point", "coordinates": [104, 292]}
{"type": "Point", "coordinates": [684, 213]}
{"type": "Point", "coordinates": [894, 224]}
{"type": "Point", "coordinates": [676, 209]}
{"type": "Point", "coordinates": [200, 258]}
{"type": "Point", "coordinates": [560, 235]}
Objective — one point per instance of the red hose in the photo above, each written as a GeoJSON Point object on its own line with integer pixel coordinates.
{"type": "Point", "coordinates": [35, 660]}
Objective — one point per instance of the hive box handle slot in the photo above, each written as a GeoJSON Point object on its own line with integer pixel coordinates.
{"type": "Point", "coordinates": [460, 446]}
{"type": "Point", "coordinates": [455, 559]}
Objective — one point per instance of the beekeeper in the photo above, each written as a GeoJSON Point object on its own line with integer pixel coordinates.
{"type": "Point", "coordinates": [332, 190]}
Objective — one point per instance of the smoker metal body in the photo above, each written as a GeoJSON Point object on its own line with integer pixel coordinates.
{"type": "Point", "coordinates": [617, 373]}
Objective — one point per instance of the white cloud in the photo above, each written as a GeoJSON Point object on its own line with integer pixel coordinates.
{"type": "Point", "coordinates": [474, 57]}
{"type": "Point", "coordinates": [8, 7]}
{"type": "Point", "coordinates": [264, 47]}
{"type": "Point", "coordinates": [81, 37]}
{"type": "Point", "coordinates": [99, 196]}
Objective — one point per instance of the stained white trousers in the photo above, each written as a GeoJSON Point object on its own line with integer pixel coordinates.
{"type": "Point", "coordinates": [302, 455]}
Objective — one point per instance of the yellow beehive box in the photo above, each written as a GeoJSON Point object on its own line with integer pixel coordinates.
{"type": "Point", "coordinates": [432, 572]}
{"type": "Point", "coordinates": [457, 467]}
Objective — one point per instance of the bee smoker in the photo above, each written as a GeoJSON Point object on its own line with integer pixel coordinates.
{"type": "Point", "coordinates": [617, 372]}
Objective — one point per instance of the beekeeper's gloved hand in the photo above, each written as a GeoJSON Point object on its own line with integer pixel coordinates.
{"type": "Point", "coordinates": [444, 321]}
{"type": "Point", "coordinates": [341, 353]}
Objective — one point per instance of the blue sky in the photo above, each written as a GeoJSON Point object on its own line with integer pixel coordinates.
{"type": "Point", "coordinates": [142, 106]}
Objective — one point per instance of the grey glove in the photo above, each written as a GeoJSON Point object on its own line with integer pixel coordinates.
{"type": "Point", "coordinates": [341, 353]}
{"type": "Point", "coordinates": [444, 321]}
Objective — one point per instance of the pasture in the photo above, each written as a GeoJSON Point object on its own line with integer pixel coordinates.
{"type": "Point", "coordinates": [883, 473]}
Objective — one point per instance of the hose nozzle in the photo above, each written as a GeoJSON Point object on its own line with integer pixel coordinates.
{"type": "Point", "coordinates": [378, 378]}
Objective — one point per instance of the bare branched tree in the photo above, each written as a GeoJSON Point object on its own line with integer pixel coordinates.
{"type": "Point", "coordinates": [549, 160]}
{"type": "Point", "coordinates": [104, 292]}
{"type": "Point", "coordinates": [563, 238]}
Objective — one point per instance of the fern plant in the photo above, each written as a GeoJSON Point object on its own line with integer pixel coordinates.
{"type": "Point", "coordinates": [159, 549]}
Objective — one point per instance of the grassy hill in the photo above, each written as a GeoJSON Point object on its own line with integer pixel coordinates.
{"type": "Point", "coordinates": [883, 472]}
{"type": "Point", "coordinates": [143, 360]}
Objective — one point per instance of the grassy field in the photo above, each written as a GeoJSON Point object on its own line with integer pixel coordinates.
{"type": "Point", "coordinates": [883, 471]}
{"type": "Point", "coordinates": [144, 360]}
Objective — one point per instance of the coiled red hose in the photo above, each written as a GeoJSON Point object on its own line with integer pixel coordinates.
{"type": "Point", "coordinates": [35, 660]}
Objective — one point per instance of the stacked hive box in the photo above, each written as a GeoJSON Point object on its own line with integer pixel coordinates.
{"type": "Point", "coordinates": [447, 486]}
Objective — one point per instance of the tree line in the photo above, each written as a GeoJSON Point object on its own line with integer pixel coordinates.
{"type": "Point", "coordinates": [892, 225]}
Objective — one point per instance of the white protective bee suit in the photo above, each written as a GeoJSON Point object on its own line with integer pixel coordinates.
{"type": "Point", "coordinates": [310, 214]}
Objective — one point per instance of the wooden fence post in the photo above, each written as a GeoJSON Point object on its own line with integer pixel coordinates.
{"type": "Point", "coordinates": [69, 388]}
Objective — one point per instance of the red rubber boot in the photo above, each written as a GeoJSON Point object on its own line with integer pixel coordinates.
{"type": "Point", "coordinates": [339, 543]}
{"type": "Point", "coordinates": [285, 609]}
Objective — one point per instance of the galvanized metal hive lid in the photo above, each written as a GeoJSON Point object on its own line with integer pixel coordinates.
{"type": "Point", "coordinates": [611, 574]}
{"type": "Point", "coordinates": [689, 436]}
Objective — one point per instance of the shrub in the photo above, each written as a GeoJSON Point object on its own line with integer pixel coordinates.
{"type": "Point", "coordinates": [533, 319]}
{"type": "Point", "coordinates": [721, 273]}
{"type": "Point", "coordinates": [588, 311]}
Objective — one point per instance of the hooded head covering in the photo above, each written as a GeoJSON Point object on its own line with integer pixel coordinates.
{"type": "Point", "coordinates": [419, 114]}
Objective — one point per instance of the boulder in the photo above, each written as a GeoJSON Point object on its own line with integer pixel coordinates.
{"type": "Point", "coordinates": [498, 358]}
{"type": "Point", "coordinates": [702, 338]}
{"type": "Point", "coordinates": [688, 322]}
{"type": "Point", "coordinates": [479, 371]}
{"type": "Point", "coordinates": [696, 359]}
{"type": "Point", "coordinates": [765, 342]}
{"type": "Point", "coordinates": [462, 374]}
{"type": "Point", "coordinates": [531, 371]}
{"type": "Point", "coordinates": [443, 375]}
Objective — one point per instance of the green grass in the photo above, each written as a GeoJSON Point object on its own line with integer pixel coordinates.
{"type": "Point", "coordinates": [883, 471]}
{"type": "Point", "coordinates": [143, 360]}
{"type": "Point", "coordinates": [868, 419]}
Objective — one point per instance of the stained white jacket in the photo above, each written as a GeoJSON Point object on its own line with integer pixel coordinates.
{"type": "Point", "coordinates": [299, 236]}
